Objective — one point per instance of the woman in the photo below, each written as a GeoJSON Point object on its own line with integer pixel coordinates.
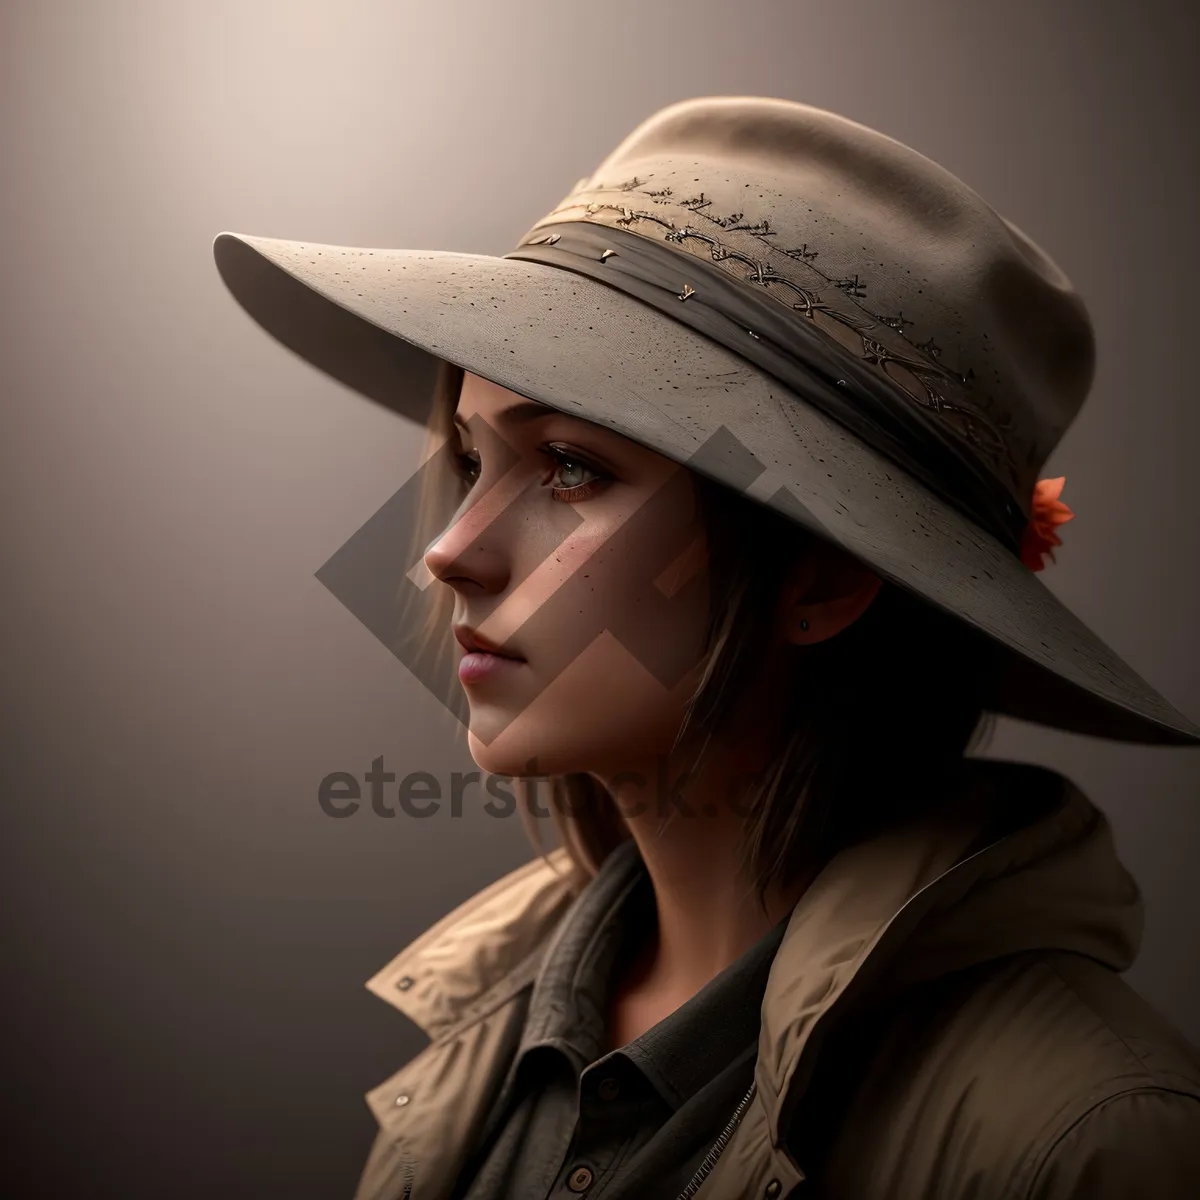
{"type": "Point", "coordinates": [732, 511]}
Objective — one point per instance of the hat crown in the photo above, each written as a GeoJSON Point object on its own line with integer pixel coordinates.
{"type": "Point", "coordinates": [963, 311]}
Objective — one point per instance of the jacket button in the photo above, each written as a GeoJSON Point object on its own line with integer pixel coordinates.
{"type": "Point", "coordinates": [772, 1189]}
{"type": "Point", "coordinates": [580, 1179]}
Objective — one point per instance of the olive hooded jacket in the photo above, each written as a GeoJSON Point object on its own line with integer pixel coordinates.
{"type": "Point", "coordinates": [940, 1023]}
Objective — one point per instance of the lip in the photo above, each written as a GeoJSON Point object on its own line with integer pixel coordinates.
{"type": "Point", "coordinates": [483, 659]}
{"type": "Point", "coordinates": [472, 642]}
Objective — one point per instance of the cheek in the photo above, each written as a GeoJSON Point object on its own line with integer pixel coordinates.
{"type": "Point", "coordinates": [614, 656]}
{"type": "Point", "coordinates": [612, 622]}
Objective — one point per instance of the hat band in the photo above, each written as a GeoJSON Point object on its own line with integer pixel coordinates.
{"type": "Point", "coordinates": [790, 350]}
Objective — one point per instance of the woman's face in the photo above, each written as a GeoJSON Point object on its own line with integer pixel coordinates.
{"type": "Point", "coordinates": [581, 554]}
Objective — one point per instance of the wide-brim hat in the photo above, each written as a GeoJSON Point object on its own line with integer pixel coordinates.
{"type": "Point", "coordinates": [797, 306]}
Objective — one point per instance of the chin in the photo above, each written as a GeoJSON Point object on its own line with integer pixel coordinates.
{"type": "Point", "coordinates": [540, 748]}
{"type": "Point", "coordinates": [516, 751]}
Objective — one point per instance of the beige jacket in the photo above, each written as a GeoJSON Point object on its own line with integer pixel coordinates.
{"type": "Point", "coordinates": [1001, 1053]}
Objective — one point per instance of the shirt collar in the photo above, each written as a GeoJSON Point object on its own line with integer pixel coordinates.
{"type": "Point", "coordinates": [568, 1005]}
{"type": "Point", "coordinates": [721, 1022]}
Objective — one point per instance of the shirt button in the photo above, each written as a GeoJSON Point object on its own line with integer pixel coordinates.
{"type": "Point", "coordinates": [609, 1089]}
{"type": "Point", "coordinates": [404, 982]}
{"type": "Point", "coordinates": [580, 1179]}
{"type": "Point", "coordinates": [772, 1189]}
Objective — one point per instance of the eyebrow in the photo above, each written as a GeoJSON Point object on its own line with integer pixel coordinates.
{"type": "Point", "coordinates": [517, 414]}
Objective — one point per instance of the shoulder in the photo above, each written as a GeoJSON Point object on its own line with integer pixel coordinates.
{"type": "Point", "coordinates": [1060, 1017]}
{"type": "Point", "coordinates": [1140, 1142]}
{"type": "Point", "coordinates": [1113, 1084]}
{"type": "Point", "coordinates": [1031, 1073]}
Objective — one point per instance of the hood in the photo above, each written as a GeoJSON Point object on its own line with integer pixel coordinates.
{"type": "Point", "coordinates": [1020, 860]}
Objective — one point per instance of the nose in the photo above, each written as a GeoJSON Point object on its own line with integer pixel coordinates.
{"type": "Point", "coordinates": [468, 555]}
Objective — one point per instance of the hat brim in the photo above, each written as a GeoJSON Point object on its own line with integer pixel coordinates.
{"type": "Point", "coordinates": [378, 320]}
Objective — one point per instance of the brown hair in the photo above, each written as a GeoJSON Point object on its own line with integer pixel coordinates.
{"type": "Point", "coordinates": [879, 714]}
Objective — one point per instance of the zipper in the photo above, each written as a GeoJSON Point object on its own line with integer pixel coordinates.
{"type": "Point", "coordinates": [710, 1159]}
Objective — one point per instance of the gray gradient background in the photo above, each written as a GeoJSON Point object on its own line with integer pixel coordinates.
{"type": "Point", "coordinates": [186, 935]}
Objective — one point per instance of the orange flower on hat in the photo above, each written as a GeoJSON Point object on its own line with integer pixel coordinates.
{"type": "Point", "coordinates": [1048, 513]}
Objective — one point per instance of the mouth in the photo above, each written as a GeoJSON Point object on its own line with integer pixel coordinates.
{"type": "Point", "coordinates": [473, 643]}
{"type": "Point", "coordinates": [483, 659]}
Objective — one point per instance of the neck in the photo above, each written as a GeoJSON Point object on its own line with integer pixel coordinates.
{"type": "Point", "coordinates": [690, 834]}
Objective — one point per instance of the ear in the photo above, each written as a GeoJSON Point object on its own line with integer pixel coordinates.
{"type": "Point", "coordinates": [825, 591]}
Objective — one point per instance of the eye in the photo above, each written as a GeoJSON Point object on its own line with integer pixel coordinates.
{"type": "Point", "coordinates": [577, 478]}
{"type": "Point", "coordinates": [466, 465]}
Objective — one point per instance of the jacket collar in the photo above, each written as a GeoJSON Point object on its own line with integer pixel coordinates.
{"type": "Point", "coordinates": [481, 953]}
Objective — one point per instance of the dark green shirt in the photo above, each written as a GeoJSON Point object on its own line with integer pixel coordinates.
{"type": "Point", "coordinates": [634, 1122]}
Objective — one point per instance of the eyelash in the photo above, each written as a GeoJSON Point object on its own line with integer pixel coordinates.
{"type": "Point", "coordinates": [466, 465]}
